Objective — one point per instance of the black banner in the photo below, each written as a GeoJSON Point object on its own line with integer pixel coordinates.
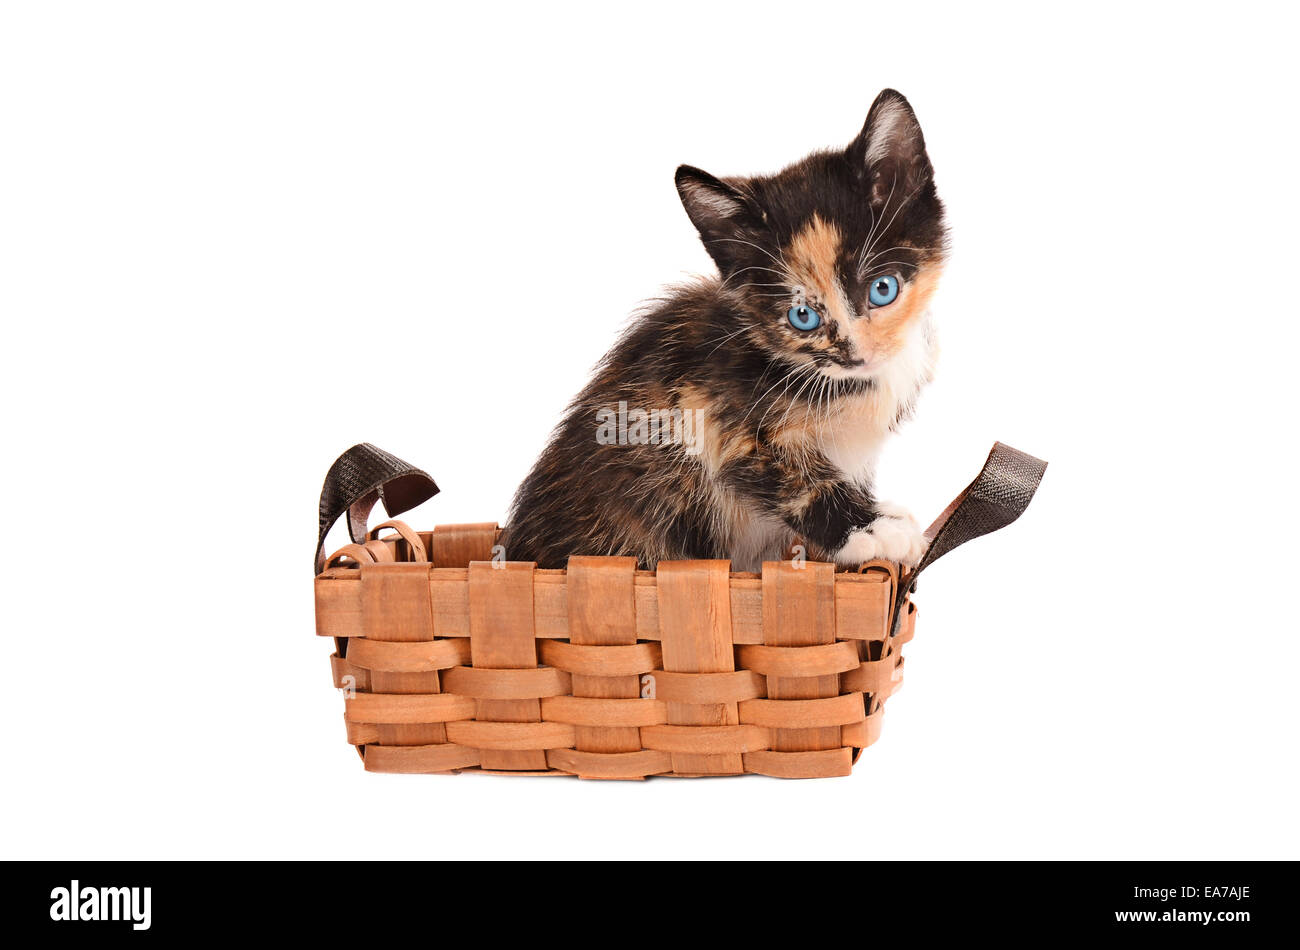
{"type": "Point", "coordinates": [653, 902]}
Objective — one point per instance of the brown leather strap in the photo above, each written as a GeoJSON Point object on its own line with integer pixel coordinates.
{"type": "Point", "coordinates": [998, 496]}
{"type": "Point", "coordinates": [358, 478]}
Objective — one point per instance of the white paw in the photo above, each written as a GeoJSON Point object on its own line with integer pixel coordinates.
{"type": "Point", "coordinates": [892, 510]}
{"type": "Point", "coordinates": [894, 536]}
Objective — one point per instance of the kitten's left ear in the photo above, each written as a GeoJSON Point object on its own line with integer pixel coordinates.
{"type": "Point", "coordinates": [889, 153]}
{"type": "Point", "coordinates": [728, 219]}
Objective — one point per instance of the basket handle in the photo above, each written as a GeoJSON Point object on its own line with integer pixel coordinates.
{"type": "Point", "coordinates": [358, 478]}
{"type": "Point", "coordinates": [998, 496]}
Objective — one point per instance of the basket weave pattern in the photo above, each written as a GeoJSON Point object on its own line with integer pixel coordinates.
{"type": "Point", "coordinates": [450, 660]}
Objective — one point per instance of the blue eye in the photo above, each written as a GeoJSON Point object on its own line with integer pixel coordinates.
{"type": "Point", "coordinates": [804, 318]}
{"type": "Point", "coordinates": [884, 290]}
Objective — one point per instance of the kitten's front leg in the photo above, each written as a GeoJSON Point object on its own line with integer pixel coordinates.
{"type": "Point", "coordinates": [893, 535]}
{"type": "Point", "coordinates": [840, 521]}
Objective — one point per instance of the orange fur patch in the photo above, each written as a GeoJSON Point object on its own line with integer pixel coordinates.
{"type": "Point", "coordinates": [717, 447]}
{"type": "Point", "coordinates": [814, 253]}
{"type": "Point", "coordinates": [813, 258]}
{"type": "Point", "coordinates": [886, 331]}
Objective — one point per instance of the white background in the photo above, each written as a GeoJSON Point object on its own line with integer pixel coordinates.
{"type": "Point", "coordinates": [237, 238]}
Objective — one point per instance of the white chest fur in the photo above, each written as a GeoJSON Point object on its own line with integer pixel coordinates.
{"type": "Point", "coordinates": [852, 438]}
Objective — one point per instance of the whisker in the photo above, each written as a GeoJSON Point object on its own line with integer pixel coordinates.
{"type": "Point", "coordinates": [786, 295]}
{"type": "Point", "coordinates": [901, 205]}
{"type": "Point", "coordinates": [880, 267]}
{"type": "Point", "coordinates": [776, 260]}
{"type": "Point", "coordinates": [794, 400]}
{"type": "Point", "coordinates": [770, 270]}
{"type": "Point", "coordinates": [770, 388]}
{"type": "Point", "coordinates": [725, 339]}
{"type": "Point", "coordinates": [781, 274]}
{"type": "Point", "coordinates": [799, 370]}
{"type": "Point", "coordinates": [871, 235]}
{"type": "Point", "coordinates": [863, 265]}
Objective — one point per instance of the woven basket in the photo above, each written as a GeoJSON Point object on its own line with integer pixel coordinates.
{"type": "Point", "coordinates": [451, 658]}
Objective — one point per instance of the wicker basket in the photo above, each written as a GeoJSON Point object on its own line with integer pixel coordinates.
{"type": "Point", "coordinates": [451, 658]}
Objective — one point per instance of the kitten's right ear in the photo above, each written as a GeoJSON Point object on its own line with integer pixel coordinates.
{"type": "Point", "coordinates": [889, 153]}
{"type": "Point", "coordinates": [726, 218]}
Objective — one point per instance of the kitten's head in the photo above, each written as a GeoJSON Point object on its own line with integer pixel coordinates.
{"type": "Point", "coordinates": [834, 259]}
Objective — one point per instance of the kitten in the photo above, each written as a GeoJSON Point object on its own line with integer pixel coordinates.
{"type": "Point", "coordinates": [744, 414]}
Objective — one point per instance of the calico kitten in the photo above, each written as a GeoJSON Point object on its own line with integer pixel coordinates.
{"type": "Point", "coordinates": [744, 413]}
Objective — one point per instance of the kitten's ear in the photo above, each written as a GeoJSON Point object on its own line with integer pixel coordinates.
{"type": "Point", "coordinates": [889, 152]}
{"type": "Point", "coordinates": [725, 217]}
